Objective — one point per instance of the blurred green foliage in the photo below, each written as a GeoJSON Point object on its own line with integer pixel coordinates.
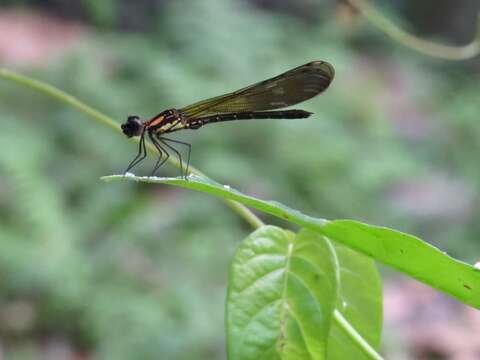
{"type": "Point", "coordinates": [126, 271]}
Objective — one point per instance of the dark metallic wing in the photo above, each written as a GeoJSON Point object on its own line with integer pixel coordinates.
{"type": "Point", "coordinates": [289, 88]}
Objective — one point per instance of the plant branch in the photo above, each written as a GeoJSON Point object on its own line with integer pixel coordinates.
{"type": "Point", "coordinates": [98, 116]}
{"type": "Point", "coordinates": [425, 47]}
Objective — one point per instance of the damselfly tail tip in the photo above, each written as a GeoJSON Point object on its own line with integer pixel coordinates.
{"type": "Point", "coordinates": [302, 114]}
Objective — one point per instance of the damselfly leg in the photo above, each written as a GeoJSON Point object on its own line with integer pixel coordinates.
{"type": "Point", "coordinates": [161, 151]}
{"type": "Point", "coordinates": [189, 146]}
{"type": "Point", "coordinates": [142, 153]}
{"type": "Point", "coordinates": [179, 156]}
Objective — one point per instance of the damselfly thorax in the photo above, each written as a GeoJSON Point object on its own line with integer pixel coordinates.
{"type": "Point", "coordinates": [257, 101]}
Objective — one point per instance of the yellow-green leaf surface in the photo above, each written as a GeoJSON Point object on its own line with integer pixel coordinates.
{"type": "Point", "coordinates": [281, 296]}
{"type": "Point", "coordinates": [404, 252]}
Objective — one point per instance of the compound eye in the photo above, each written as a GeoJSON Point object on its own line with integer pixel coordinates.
{"type": "Point", "coordinates": [132, 127]}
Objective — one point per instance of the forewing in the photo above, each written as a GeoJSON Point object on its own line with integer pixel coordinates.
{"type": "Point", "coordinates": [289, 88]}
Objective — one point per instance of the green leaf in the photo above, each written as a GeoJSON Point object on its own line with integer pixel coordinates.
{"type": "Point", "coordinates": [281, 296]}
{"type": "Point", "coordinates": [360, 304]}
{"type": "Point", "coordinates": [404, 252]}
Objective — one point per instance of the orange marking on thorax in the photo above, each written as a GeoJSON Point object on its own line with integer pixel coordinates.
{"type": "Point", "coordinates": [156, 121]}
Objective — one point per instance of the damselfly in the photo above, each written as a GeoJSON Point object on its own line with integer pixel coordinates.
{"type": "Point", "coordinates": [252, 102]}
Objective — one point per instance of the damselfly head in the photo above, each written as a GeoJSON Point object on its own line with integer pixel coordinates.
{"type": "Point", "coordinates": [133, 126]}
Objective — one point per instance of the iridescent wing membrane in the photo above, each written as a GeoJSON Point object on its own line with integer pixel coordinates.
{"type": "Point", "coordinates": [289, 88]}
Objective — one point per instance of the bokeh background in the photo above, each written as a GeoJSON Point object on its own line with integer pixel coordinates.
{"type": "Point", "coordinates": [90, 270]}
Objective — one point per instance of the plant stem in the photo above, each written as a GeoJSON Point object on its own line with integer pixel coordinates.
{"type": "Point", "coordinates": [355, 336]}
{"type": "Point", "coordinates": [58, 94]}
{"type": "Point", "coordinates": [441, 51]}
{"type": "Point", "coordinates": [98, 116]}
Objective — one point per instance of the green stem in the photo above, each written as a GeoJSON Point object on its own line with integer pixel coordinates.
{"type": "Point", "coordinates": [58, 95]}
{"type": "Point", "coordinates": [61, 96]}
{"type": "Point", "coordinates": [446, 52]}
{"type": "Point", "coordinates": [355, 336]}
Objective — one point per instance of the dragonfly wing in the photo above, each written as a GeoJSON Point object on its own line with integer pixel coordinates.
{"type": "Point", "coordinates": [289, 88]}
